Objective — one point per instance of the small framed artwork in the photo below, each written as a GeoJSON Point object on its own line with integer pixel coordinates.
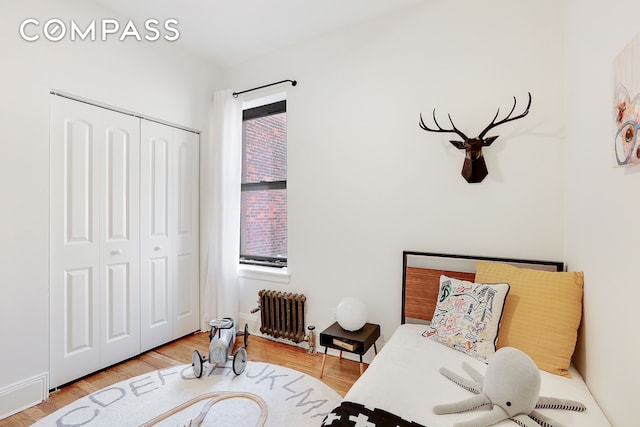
{"type": "Point", "coordinates": [626, 111]}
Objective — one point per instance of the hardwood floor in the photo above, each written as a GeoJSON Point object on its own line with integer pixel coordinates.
{"type": "Point", "coordinates": [339, 374]}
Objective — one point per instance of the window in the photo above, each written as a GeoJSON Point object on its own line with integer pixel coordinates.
{"type": "Point", "coordinates": [263, 212]}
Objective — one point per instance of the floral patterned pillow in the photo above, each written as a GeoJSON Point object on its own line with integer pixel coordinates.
{"type": "Point", "coordinates": [467, 316]}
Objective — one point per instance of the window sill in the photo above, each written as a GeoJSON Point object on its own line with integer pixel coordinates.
{"type": "Point", "coordinates": [269, 274]}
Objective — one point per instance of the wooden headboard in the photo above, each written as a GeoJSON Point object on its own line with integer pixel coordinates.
{"type": "Point", "coordinates": [421, 278]}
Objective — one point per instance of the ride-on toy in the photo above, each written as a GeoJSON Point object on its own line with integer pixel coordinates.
{"type": "Point", "coordinates": [222, 338]}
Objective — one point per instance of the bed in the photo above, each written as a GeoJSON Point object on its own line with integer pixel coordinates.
{"type": "Point", "coordinates": [540, 314]}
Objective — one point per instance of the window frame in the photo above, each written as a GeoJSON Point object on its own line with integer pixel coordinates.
{"type": "Point", "coordinates": [249, 113]}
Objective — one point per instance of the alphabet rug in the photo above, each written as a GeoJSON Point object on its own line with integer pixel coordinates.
{"type": "Point", "coordinates": [174, 397]}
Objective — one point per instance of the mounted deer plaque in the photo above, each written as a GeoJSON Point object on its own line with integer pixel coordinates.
{"type": "Point", "coordinates": [474, 168]}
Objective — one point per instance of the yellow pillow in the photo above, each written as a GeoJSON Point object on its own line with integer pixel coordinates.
{"type": "Point", "coordinates": [541, 315]}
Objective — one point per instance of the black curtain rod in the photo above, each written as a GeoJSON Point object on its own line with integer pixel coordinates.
{"type": "Point", "coordinates": [293, 83]}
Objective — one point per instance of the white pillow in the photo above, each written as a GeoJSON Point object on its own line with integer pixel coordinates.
{"type": "Point", "coordinates": [467, 316]}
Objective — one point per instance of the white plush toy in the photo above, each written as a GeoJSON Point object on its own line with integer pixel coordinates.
{"type": "Point", "coordinates": [510, 388]}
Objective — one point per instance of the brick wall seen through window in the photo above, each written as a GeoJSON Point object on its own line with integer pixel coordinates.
{"type": "Point", "coordinates": [264, 194]}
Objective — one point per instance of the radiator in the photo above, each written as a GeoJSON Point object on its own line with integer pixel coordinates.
{"type": "Point", "coordinates": [282, 314]}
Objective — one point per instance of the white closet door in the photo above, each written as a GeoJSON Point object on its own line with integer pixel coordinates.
{"type": "Point", "coordinates": [169, 214]}
{"type": "Point", "coordinates": [94, 283]}
{"type": "Point", "coordinates": [185, 229]}
{"type": "Point", "coordinates": [74, 243]}
{"type": "Point", "coordinates": [156, 261]}
{"type": "Point", "coordinates": [120, 238]}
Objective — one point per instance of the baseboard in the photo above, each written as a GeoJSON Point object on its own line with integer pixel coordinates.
{"type": "Point", "coordinates": [252, 321]}
{"type": "Point", "coordinates": [254, 329]}
{"type": "Point", "coordinates": [24, 394]}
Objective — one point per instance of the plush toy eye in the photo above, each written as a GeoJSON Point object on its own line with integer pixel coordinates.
{"type": "Point", "coordinates": [508, 403]}
{"type": "Point", "coordinates": [625, 143]}
{"type": "Point", "coordinates": [628, 135]}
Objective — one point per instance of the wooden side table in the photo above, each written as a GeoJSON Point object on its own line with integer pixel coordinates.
{"type": "Point", "coordinates": [358, 342]}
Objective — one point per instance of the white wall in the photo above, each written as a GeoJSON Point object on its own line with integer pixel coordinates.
{"type": "Point", "coordinates": [365, 182]}
{"type": "Point", "coordinates": [601, 205]}
{"type": "Point", "coordinates": [149, 78]}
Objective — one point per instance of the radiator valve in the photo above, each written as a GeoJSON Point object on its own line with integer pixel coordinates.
{"type": "Point", "coordinates": [257, 309]}
{"type": "Point", "coordinates": [311, 338]}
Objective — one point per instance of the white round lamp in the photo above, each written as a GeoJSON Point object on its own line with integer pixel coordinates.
{"type": "Point", "coordinates": [351, 313]}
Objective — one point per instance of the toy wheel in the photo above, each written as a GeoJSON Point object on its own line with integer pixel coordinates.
{"type": "Point", "coordinates": [197, 361]}
{"type": "Point", "coordinates": [246, 334]}
{"type": "Point", "coordinates": [239, 360]}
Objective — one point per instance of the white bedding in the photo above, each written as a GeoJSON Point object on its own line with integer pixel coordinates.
{"type": "Point", "coordinates": [404, 379]}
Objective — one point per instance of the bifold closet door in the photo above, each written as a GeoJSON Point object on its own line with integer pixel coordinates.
{"type": "Point", "coordinates": [169, 203]}
{"type": "Point", "coordinates": [94, 239]}
{"type": "Point", "coordinates": [156, 267]}
{"type": "Point", "coordinates": [186, 315]}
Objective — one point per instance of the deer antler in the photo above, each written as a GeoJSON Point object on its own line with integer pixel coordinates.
{"type": "Point", "coordinates": [506, 119]}
{"type": "Point", "coordinates": [474, 168]}
{"type": "Point", "coordinates": [440, 129]}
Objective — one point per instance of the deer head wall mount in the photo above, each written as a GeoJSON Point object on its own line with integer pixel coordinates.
{"type": "Point", "coordinates": [474, 168]}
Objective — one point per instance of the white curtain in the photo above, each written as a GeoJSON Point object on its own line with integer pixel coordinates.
{"type": "Point", "coordinates": [220, 221]}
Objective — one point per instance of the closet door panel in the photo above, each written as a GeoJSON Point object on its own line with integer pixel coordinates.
{"type": "Point", "coordinates": [155, 245]}
{"type": "Point", "coordinates": [78, 179]}
{"type": "Point", "coordinates": [120, 241]}
{"type": "Point", "coordinates": [186, 231]}
{"type": "Point", "coordinates": [118, 302]}
{"type": "Point", "coordinates": [78, 311]}
{"type": "Point", "coordinates": [184, 306]}
{"type": "Point", "coordinates": [74, 245]}
{"type": "Point", "coordinates": [159, 292]}
{"type": "Point", "coordinates": [119, 195]}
